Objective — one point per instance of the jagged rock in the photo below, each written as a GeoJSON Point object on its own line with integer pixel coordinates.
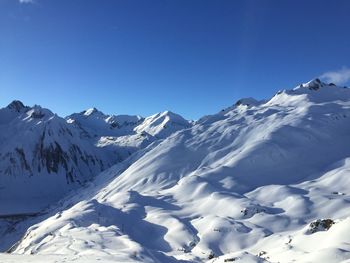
{"type": "Point", "coordinates": [320, 225]}
{"type": "Point", "coordinates": [250, 211]}
{"type": "Point", "coordinates": [211, 255]}
{"type": "Point", "coordinates": [16, 105]}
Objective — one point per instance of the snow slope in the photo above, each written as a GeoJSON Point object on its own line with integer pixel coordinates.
{"type": "Point", "coordinates": [251, 183]}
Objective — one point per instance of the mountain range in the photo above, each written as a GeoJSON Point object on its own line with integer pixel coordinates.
{"type": "Point", "coordinates": [260, 181]}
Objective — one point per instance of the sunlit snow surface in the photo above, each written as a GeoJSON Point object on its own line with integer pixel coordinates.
{"type": "Point", "coordinates": [242, 185]}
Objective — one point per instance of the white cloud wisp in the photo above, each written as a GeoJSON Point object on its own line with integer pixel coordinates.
{"type": "Point", "coordinates": [338, 77]}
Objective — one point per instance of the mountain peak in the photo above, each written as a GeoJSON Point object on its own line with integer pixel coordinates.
{"type": "Point", "coordinates": [169, 114]}
{"type": "Point", "coordinates": [162, 124]}
{"type": "Point", "coordinates": [91, 111]}
{"type": "Point", "coordinates": [314, 84]}
{"type": "Point", "coordinates": [16, 105]}
{"type": "Point", "coordinates": [247, 102]}
{"type": "Point", "coordinates": [37, 112]}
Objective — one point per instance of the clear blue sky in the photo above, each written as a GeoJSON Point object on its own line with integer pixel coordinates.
{"type": "Point", "coordinates": [193, 57]}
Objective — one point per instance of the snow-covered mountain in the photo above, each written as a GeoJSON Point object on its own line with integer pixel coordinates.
{"type": "Point", "coordinates": [261, 181]}
{"type": "Point", "coordinates": [43, 156]}
{"type": "Point", "coordinates": [94, 123]}
{"type": "Point", "coordinates": [122, 135]}
{"type": "Point", "coordinates": [162, 125]}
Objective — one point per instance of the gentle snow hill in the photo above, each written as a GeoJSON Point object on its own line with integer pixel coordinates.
{"type": "Point", "coordinates": [260, 181]}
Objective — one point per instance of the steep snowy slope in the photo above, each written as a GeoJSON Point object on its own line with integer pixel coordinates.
{"type": "Point", "coordinates": [41, 158]}
{"type": "Point", "coordinates": [260, 181]}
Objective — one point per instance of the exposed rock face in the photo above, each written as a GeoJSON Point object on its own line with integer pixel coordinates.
{"type": "Point", "coordinates": [315, 84]}
{"type": "Point", "coordinates": [247, 102]}
{"type": "Point", "coordinates": [320, 225]}
{"type": "Point", "coordinates": [251, 211]}
{"type": "Point", "coordinates": [17, 106]}
{"type": "Point", "coordinates": [39, 150]}
{"type": "Point", "coordinates": [53, 152]}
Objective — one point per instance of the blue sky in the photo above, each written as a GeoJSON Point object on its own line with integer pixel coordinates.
{"type": "Point", "coordinates": [193, 57]}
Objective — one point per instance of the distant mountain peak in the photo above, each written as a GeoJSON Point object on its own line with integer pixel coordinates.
{"type": "Point", "coordinates": [37, 112]}
{"type": "Point", "coordinates": [247, 102]}
{"type": "Point", "coordinates": [314, 84]}
{"type": "Point", "coordinates": [169, 114]}
{"type": "Point", "coordinates": [162, 124]}
{"type": "Point", "coordinates": [91, 111]}
{"type": "Point", "coordinates": [16, 105]}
